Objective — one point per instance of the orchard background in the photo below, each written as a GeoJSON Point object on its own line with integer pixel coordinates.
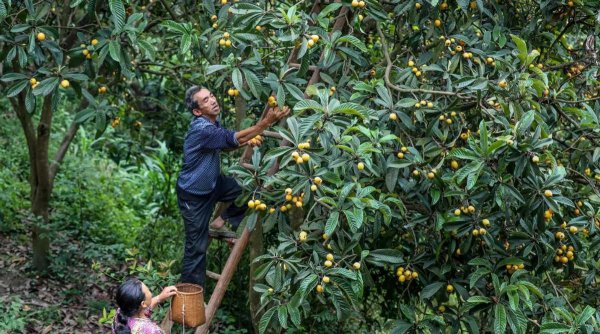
{"type": "Point", "coordinates": [442, 160]}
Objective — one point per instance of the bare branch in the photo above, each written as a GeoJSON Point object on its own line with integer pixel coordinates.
{"type": "Point", "coordinates": [388, 68]}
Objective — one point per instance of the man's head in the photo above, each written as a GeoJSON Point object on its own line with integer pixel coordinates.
{"type": "Point", "coordinates": [201, 102]}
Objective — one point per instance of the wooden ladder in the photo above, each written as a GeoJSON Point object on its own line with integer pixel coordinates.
{"type": "Point", "coordinates": [223, 280]}
{"type": "Point", "coordinates": [241, 243]}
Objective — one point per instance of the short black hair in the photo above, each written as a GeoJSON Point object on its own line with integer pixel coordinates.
{"type": "Point", "coordinates": [190, 103]}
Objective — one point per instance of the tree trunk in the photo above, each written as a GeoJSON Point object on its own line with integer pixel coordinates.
{"type": "Point", "coordinates": [41, 198]}
{"type": "Point", "coordinates": [256, 250]}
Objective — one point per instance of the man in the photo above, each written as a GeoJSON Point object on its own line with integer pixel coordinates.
{"type": "Point", "coordinates": [200, 184]}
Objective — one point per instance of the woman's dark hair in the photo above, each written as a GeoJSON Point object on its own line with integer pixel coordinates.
{"type": "Point", "coordinates": [129, 298]}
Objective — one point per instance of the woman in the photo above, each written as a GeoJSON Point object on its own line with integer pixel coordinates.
{"type": "Point", "coordinates": [135, 303]}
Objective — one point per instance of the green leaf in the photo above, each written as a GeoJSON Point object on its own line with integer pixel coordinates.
{"type": "Point", "coordinates": [15, 89]}
{"type": "Point", "coordinates": [350, 108]}
{"type": "Point", "coordinates": [3, 11]}
{"type": "Point", "coordinates": [294, 314]}
{"type": "Point", "coordinates": [554, 327]}
{"type": "Point", "coordinates": [431, 290]}
{"type": "Point", "coordinates": [118, 14]}
{"type": "Point", "coordinates": [391, 178]}
{"type": "Point", "coordinates": [521, 47]}
{"type": "Point", "coordinates": [483, 137]}
{"type": "Point", "coordinates": [46, 86]}
{"type": "Point", "coordinates": [186, 43]}
{"type": "Point", "coordinates": [342, 272]}
{"type": "Point", "coordinates": [477, 275]}
{"type": "Point", "coordinates": [253, 83]}
{"type": "Point", "coordinates": [354, 41]}
{"type": "Point", "coordinates": [354, 221]}
{"type": "Point", "coordinates": [499, 319]}
{"type": "Point", "coordinates": [308, 105]}
{"type": "Point", "coordinates": [8, 77]}
{"type": "Point", "coordinates": [174, 26]}
{"type": "Point", "coordinates": [478, 300]}
{"type": "Point", "coordinates": [237, 79]}
{"type": "Point", "coordinates": [265, 319]}
{"type": "Point", "coordinates": [115, 49]}
{"type": "Point", "coordinates": [84, 115]}
{"type": "Point", "coordinates": [332, 223]}
{"type": "Point", "coordinates": [584, 316]}
{"type": "Point", "coordinates": [386, 256]}
{"type": "Point", "coordinates": [76, 76]}
{"type": "Point", "coordinates": [282, 315]}
{"type": "Point", "coordinates": [525, 123]}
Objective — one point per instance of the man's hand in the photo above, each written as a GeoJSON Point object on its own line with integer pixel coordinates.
{"type": "Point", "coordinates": [275, 114]}
{"type": "Point", "coordinates": [244, 137]}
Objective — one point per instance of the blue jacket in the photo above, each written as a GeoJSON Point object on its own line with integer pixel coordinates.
{"type": "Point", "coordinates": [201, 163]}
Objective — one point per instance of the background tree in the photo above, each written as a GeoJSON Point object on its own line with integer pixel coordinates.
{"type": "Point", "coordinates": [442, 156]}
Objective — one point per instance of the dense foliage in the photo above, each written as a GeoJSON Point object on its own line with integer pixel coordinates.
{"type": "Point", "coordinates": [440, 170]}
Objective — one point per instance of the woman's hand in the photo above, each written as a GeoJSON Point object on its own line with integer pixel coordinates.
{"type": "Point", "coordinates": [166, 293]}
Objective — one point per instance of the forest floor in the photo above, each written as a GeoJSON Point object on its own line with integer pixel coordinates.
{"type": "Point", "coordinates": [34, 304]}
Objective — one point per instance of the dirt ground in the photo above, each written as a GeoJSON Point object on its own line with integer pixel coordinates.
{"type": "Point", "coordinates": [50, 304]}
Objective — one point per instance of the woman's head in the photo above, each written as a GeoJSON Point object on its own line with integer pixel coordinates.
{"type": "Point", "coordinates": [133, 296]}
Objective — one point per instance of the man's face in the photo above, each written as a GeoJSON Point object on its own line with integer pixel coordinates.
{"type": "Point", "coordinates": [207, 104]}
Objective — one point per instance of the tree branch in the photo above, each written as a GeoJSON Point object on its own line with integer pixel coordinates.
{"type": "Point", "coordinates": [388, 68]}
{"type": "Point", "coordinates": [62, 150]}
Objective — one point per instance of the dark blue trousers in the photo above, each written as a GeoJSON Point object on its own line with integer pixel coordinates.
{"type": "Point", "coordinates": [196, 217]}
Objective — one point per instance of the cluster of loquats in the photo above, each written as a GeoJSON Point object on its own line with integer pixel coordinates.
{"type": "Point", "coordinates": [465, 209]}
{"type": "Point", "coordinates": [423, 103]}
{"type": "Point", "coordinates": [313, 39]}
{"type": "Point", "coordinates": [88, 49]}
{"type": "Point", "coordinates": [514, 267]}
{"type": "Point", "coordinates": [300, 159]}
{"type": "Point", "coordinates": [317, 181]}
{"type": "Point", "coordinates": [402, 153]}
{"type": "Point", "coordinates": [214, 19]}
{"type": "Point", "coordinates": [257, 139]}
{"type": "Point", "coordinates": [564, 254]}
{"type": "Point", "coordinates": [289, 197]}
{"type": "Point", "coordinates": [406, 275]}
{"type": "Point", "coordinates": [417, 72]}
{"type": "Point", "coordinates": [33, 82]}
{"type": "Point", "coordinates": [102, 90]}
{"type": "Point", "coordinates": [225, 41]}
{"type": "Point", "coordinates": [272, 102]}
{"type": "Point", "coordinates": [304, 157]}
{"type": "Point", "coordinates": [257, 204]}
{"type": "Point", "coordinates": [575, 70]}
{"type": "Point", "coordinates": [358, 4]}
{"type": "Point", "coordinates": [445, 117]}
{"type": "Point", "coordinates": [233, 92]}
{"type": "Point", "coordinates": [115, 122]}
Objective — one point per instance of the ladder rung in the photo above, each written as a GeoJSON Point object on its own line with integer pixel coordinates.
{"type": "Point", "coordinates": [221, 235]}
{"type": "Point", "coordinates": [212, 275]}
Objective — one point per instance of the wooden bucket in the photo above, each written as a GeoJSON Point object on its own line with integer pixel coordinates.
{"type": "Point", "coordinates": [187, 306]}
